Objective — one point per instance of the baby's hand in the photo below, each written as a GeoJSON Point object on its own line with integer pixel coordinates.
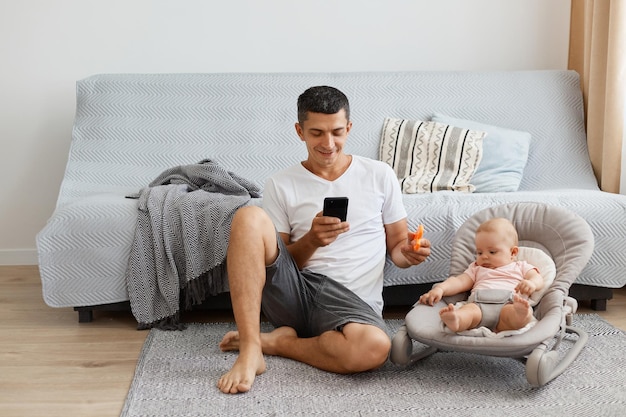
{"type": "Point", "coordinates": [526, 287]}
{"type": "Point", "coordinates": [432, 296]}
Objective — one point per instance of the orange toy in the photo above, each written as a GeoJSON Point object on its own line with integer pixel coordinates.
{"type": "Point", "coordinates": [417, 236]}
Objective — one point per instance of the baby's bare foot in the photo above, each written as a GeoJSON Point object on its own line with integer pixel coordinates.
{"type": "Point", "coordinates": [522, 309]}
{"type": "Point", "coordinates": [450, 318]}
{"type": "Point", "coordinates": [516, 315]}
{"type": "Point", "coordinates": [520, 302]}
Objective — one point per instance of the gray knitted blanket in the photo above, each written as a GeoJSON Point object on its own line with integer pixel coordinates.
{"type": "Point", "coordinates": [181, 237]}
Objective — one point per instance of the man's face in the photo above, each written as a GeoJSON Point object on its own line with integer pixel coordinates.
{"type": "Point", "coordinates": [325, 136]}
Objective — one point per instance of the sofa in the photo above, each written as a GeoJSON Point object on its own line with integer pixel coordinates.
{"type": "Point", "coordinates": [528, 127]}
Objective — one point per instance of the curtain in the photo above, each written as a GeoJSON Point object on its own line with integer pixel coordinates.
{"type": "Point", "coordinates": [598, 53]}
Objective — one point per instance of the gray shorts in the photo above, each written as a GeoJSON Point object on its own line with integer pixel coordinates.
{"type": "Point", "coordinates": [490, 302]}
{"type": "Point", "coordinates": [308, 302]}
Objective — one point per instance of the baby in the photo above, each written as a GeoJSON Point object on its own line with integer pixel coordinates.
{"type": "Point", "coordinates": [496, 279]}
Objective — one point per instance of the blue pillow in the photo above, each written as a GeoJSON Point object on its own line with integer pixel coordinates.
{"type": "Point", "coordinates": [505, 152]}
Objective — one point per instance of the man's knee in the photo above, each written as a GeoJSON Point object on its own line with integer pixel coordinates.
{"type": "Point", "coordinates": [379, 348]}
{"type": "Point", "coordinates": [250, 219]}
{"type": "Point", "coordinates": [370, 350]}
{"type": "Point", "coordinates": [250, 215]}
{"type": "Point", "coordinates": [252, 227]}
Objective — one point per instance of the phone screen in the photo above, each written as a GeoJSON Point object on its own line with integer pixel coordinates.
{"type": "Point", "coordinates": [336, 207]}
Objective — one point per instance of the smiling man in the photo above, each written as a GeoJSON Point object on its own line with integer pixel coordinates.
{"type": "Point", "coordinates": [318, 280]}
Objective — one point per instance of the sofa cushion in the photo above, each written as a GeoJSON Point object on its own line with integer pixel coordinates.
{"type": "Point", "coordinates": [431, 156]}
{"type": "Point", "coordinates": [505, 152]}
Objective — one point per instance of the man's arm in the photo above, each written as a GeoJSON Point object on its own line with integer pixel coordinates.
{"type": "Point", "coordinates": [399, 245]}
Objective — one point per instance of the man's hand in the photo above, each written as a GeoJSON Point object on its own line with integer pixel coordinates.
{"type": "Point", "coordinates": [401, 245]}
{"type": "Point", "coordinates": [325, 230]}
{"type": "Point", "coordinates": [415, 257]}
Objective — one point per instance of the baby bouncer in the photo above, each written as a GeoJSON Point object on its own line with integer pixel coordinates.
{"type": "Point", "coordinates": [555, 240]}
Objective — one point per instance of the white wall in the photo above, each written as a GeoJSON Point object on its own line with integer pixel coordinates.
{"type": "Point", "coordinates": [46, 45]}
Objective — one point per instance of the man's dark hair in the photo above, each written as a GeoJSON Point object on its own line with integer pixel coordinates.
{"type": "Point", "coordinates": [322, 99]}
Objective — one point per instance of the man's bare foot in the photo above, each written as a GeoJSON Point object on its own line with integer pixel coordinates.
{"type": "Point", "coordinates": [241, 376]}
{"type": "Point", "coordinates": [230, 341]}
{"type": "Point", "coordinates": [271, 342]}
{"type": "Point", "coordinates": [248, 365]}
{"type": "Point", "coordinates": [450, 318]}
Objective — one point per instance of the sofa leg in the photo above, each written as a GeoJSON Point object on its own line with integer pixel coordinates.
{"type": "Point", "coordinates": [598, 304]}
{"type": "Point", "coordinates": [597, 296]}
{"type": "Point", "coordinates": [85, 315]}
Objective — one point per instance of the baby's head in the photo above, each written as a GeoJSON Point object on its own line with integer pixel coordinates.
{"type": "Point", "coordinates": [496, 243]}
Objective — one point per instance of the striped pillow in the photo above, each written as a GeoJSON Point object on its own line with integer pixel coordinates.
{"type": "Point", "coordinates": [431, 156]}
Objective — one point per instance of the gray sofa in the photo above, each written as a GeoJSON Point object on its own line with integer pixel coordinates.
{"type": "Point", "coordinates": [129, 128]}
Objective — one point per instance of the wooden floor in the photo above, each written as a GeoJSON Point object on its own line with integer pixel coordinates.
{"type": "Point", "coordinates": [50, 365]}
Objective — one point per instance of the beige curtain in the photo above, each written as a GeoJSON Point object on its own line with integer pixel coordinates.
{"type": "Point", "coordinates": [598, 53]}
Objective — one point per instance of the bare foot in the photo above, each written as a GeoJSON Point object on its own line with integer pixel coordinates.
{"type": "Point", "coordinates": [450, 318]}
{"type": "Point", "coordinates": [523, 312]}
{"type": "Point", "coordinates": [271, 342]}
{"type": "Point", "coordinates": [516, 315]}
{"type": "Point", "coordinates": [242, 374]}
{"type": "Point", "coordinates": [230, 341]}
{"type": "Point", "coordinates": [521, 304]}
{"type": "Point", "coordinates": [250, 363]}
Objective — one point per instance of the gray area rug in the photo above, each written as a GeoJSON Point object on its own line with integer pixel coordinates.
{"type": "Point", "coordinates": [177, 374]}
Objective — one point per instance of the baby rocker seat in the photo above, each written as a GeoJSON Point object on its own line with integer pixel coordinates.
{"type": "Point", "coordinates": [559, 243]}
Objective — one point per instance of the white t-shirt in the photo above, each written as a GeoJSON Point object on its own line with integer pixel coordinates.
{"type": "Point", "coordinates": [294, 196]}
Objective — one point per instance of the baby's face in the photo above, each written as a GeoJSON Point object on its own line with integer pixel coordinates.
{"type": "Point", "coordinates": [492, 250]}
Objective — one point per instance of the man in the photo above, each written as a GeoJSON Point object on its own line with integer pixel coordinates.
{"type": "Point", "coordinates": [317, 279]}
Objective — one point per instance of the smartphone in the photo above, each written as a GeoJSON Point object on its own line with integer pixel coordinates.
{"type": "Point", "coordinates": [336, 207]}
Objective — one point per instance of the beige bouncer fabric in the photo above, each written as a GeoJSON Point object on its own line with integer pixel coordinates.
{"type": "Point", "coordinates": [560, 233]}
